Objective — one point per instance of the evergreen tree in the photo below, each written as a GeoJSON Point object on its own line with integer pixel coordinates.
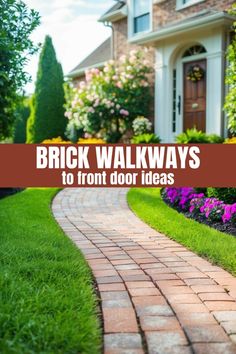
{"type": "Point", "coordinates": [47, 118]}
{"type": "Point", "coordinates": [17, 22]}
{"type": "Point", "coordinates": [22, 115]}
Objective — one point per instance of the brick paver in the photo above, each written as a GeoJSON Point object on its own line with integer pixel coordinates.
{"type": "Point", "coordinates": [156, 295]}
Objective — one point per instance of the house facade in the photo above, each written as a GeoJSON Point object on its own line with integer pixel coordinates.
{"type": "Point", "coordinates": [187, 41]}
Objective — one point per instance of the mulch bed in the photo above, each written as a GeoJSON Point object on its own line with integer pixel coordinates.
{"type": "Point", "coordinates": [6, 192]}
{"type": "Point", "coordinates": [227, 228]}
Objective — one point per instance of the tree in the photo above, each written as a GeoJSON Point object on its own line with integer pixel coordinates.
{"type": "Point", "coordinates": [16, 25]}
{"type": "Point", "coordinates": [230, 102]}
{"type": "Point", "coordinates": [47, 118]}
{"type": "Point", "coordinates": [22, 115]}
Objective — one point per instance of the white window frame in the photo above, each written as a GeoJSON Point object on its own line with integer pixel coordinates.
{"type": "Point", "coordinates": [131, 32]}
{"type": "Point", "coordinates": [181, 5]}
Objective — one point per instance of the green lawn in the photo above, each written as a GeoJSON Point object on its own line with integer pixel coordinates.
{"type": "Point", "coordinates": [216, 246]}
{"type": "Point", "coordinates": [47, 304]}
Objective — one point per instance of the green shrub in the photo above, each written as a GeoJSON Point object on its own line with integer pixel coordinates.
{"type": "Point", "coordinates": [227, 195]}
{"type": "Point", "coordinates": [30, 135]}
{"type": "Point", "coordinates": [47, 119]}
{"type": "Point", "coordinates": [146, 139]}
{"type": "Point", "coordinates": [22, 115]}
{"type": "Point", "coordinates": [215, 139]}
{"type": "Point", "coordinates": [194, 136]}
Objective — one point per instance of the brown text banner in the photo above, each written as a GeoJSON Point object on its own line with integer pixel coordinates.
{"type": "Point", "coordinates": [118, 165]}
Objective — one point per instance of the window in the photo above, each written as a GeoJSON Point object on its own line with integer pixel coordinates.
{"type": "Point", "coordinates": [141, 11]}
{"type": "Point", "coordinates": [174, 102]}
{"type": "Point", "coordinates": [181, 4]}
{"type": "Point", "coordinates": [195, 50]}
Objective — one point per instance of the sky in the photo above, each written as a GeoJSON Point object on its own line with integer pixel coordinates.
{"type": "Point", "coordinates": [74, 29]}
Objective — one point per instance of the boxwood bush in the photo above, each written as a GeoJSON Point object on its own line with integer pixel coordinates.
{"type": "Point", "coordinates": [227, 195]}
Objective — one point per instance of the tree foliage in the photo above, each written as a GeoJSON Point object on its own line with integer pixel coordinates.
{"type": "Point", "coordinates": [22, 115]}
{"type": "Point", "coordinates": [47, 119]}
{"type": "Point", "coordinates": [16, 25]}
{"type": "Point", "coordinates": [230, 103]}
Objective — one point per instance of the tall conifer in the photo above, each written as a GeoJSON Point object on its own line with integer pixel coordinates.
{"type": "Point", "coordinates": [47, 118]}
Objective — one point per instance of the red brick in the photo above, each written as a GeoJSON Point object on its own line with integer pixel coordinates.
{"type": "Point", "coordinates": [220, 305]}
{"type": "Point", "coordinates": [111, 287]}
{"type": "Point", "coordinates": [120, 320]}
{"type": "Point", "coordinates": [206, 333]}
{"type": "Point", "coordinates": [214, 348]}
{"type": "Point", "coordinates": [148, 300]}
{"type": "Point", "coordinates": [139, 284]}
{"type": "Point", "coordinates": [144, 291]}
{"type": "Point", "coordinates": [159, 323]}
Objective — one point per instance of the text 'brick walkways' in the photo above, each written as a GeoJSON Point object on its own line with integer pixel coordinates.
{"type": "Point", "coordinates": [156, 296]}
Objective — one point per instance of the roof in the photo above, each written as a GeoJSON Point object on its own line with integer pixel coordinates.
{"type": "Point", "coordinates": [115, 13]}
{"type": "Point", "coordinates": [97, 58]}
{"type": "Point", "coordinates": [117, 6]}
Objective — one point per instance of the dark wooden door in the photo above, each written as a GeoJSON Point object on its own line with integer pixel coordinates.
{"type": "Point", "coordinates": [194, 100]}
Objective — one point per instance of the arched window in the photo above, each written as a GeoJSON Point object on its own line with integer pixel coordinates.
{"type": "Point", "coordinates": [194, 50]}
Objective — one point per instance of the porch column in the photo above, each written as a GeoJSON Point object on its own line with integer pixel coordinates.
{"type": "Point", "coordinates": [162, 99]}
{"type": "Point", "coordinates": [215, 93]}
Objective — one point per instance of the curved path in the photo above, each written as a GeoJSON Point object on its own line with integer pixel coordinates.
{"type": "Point", "coordinates": [156, 296]}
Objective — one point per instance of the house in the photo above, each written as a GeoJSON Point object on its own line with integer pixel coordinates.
{"type": "Point", "coordinates": [187, 41]}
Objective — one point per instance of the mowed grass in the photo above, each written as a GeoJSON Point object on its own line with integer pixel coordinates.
{"type": "Point", "coordinates": [216, 246]}
{"type": "Point", "coordinates": [47, 303]}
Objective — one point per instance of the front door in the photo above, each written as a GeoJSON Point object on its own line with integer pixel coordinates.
{"type": "Point", "coordinates": [194, 103]}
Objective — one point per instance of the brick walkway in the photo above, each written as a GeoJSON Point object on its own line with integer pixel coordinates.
{"type": "Point", "coordinates": [156, 296]}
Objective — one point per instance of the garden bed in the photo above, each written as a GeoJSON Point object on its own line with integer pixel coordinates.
{"type": "Point", "coordinates": [214, 207]}
{"type": "Point", "coordinates": [228, 227]}
{"type": "Point", "coordinates": [5, 192]}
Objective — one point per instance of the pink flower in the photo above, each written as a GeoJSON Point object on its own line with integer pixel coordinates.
{"type": "Point", "coordinates": [96, 103]}
{"type": "Point", "coordinates": [119, 85]}
{"type": "Point", "coordinates": [123, 112]}
{"type": "Point", "coordinates": [91, 110]}
{"type": "Point", "coordinates": [68, 115]}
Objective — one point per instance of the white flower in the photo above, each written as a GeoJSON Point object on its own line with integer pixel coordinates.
{"type": "Point", "coordinates": [141, 125]}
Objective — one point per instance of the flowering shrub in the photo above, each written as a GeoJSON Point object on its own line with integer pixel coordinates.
{"type": "Point", "coordinates": [141, 125]}
{"type": "Point", "coordinates": [57, 140]}
{"type": "Point", "coordinates": [198, 204]}
{"type": "Point", "coordinates": [181, 197]}
{"type": "Point", "coordinates": [229, 213]}
{"type": "Point", "coordinates": [212, 209]}
{"type": "Point", "coordinates": [110, 99]}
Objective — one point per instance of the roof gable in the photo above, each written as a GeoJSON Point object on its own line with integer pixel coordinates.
{"type": "Point", "coordinates": [99, 56]}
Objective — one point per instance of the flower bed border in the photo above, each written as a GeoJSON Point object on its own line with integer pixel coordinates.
{"type": "Point", "coordinates": [227, 228]}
